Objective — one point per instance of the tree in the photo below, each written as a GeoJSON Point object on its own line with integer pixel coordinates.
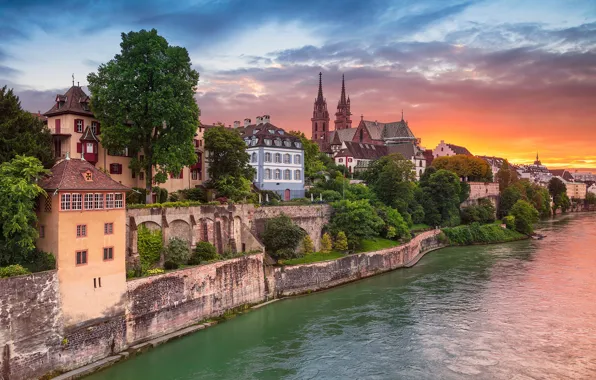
{"type": "Point", "coordinates": [21, 133]}
{"type": "Point", "coordinates": [282, 236]}
{"type": "Point", "coordinates": [591, 198]}
{"type": "Point", "coordinates": [357, 219]}
{"type": "Point", "coordinates": [144, 98]}
{"type": "Point", "coordinates": [229, 164]}
{"type": "Point", "coordinates": [395, 225]}
{"type": "Point", "coordinates": [561, 201]}
{"type": "Point", "coordinates": [176, 253]}
{"type": "Point", "coordinates": [341, 242]}
{"type": "Point", "coordinates": [469, 167]}
{"type": "Point", "coordinates": [204, 251]}
{"type": "Point", "coordinates": [326, 243]}
{"type": "Point", "coordinates": [506, 176]}
{"type": "Point", "coordinates": [508, 198]}
{"type": "Point", "coordinates": [441, 198]}
{"type": "Point", "coordinates": [307, 245]}
{"type": "Point", "coordinates": [19, 193]}
{"type": "Point", "coordinates": [483, 212]}
{"type": "Point", "coordinates": [525, 216]}
{"type": "Point", "coordinates": [556, 187]}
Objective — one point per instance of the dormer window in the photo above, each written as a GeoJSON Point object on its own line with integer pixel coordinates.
{"type": "Point", "coordinates": [287, 143]}
{"type": "Point", "coordinates": [267, 141]}
{"type": "Point", "coordinates": [277, 142]}
{"type": "Point", "coordinates": [247, 141]}
{"type": "Point", "coordinates": [281, 132]}
{"type": "Point", "coordinates": [271, 131]}
{"type": "Point", "coordinates": [88, 175]}
{"type": "Point", "coordinates": [298, 144]}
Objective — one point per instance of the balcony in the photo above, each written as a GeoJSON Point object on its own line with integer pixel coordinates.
{"type": "Point", "coordinates": [61, 131]}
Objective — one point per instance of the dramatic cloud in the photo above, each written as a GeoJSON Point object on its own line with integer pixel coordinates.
{"type": "Point", "coordinates": [502, 77]}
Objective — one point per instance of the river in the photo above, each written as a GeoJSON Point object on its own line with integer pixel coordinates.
{"type": "Point", "coordinates": [522, 310]}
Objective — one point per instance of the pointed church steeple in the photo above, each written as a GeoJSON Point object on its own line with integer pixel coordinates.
{"type": "Point", "coordinates": [342, 116]}
{"type": "Point", "coordinates": [342, 99]}
{"type": "Point", "coordinates": [320, 116]}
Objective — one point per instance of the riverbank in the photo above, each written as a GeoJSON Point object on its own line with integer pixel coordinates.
{"type": "Point", "coordinates": [481, 234]}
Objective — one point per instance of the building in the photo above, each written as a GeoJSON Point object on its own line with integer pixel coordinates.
{"type": "Point", "coordinates": [277, 156]}
{"type": "Point", "coordinates": [575, 190]}
{"type": "Point", "coordinates": [77, 132]}
{"type": "Point", "coordinates": [444, 149]}
{"type": "Point", "coordinates": [592, 189]}
{"type": "Point", "coordinates": [82, 222]}
{"type": "Point", "coordinates": [584, 176]}
{"type": "Point", "coordinates": [495, 164]}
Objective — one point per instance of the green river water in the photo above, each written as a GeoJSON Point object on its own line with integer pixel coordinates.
{"type": "Point", "coordinates": [523, 310]}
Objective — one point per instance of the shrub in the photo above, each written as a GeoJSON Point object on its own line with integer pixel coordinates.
{"type": "Point", "coordinates": [326, 243]}
{"type": "Point", "coordinates": [331, 196]}
{"type": "Point", "coordinates": [286, 253]}
{"type": "Point", "coordinates": [480, 234]}
{"type": "Point", "coordinates": [301, 201]}
{"type": "Point", "coordinates": [136, 195]}
{"type": "Point", "coordinates": [484, 212]}
{"type": "Point", "coordinates": [149, 245]}
{"type": "Point", "coordinates": [177, 252]}
{"type": "Point", "coordinates": [204, 251]}
{"type": "Point", "coordinates": [341, 241]}
{"type": "Point", "coordinates": [194, 194]}
{"type": "Point", "coordinates": [161, 194]}
{"type": "Point", "coordinates": [39, 261]}
{"type": "Point", "coordinates": [357, 219]}
{"type": "Point", "coordinates": [13, 270]}
{"type": "Point", "coordinates": [525, 216]}
{"type": "Point", "coordinates": [281, 233]}
{"type": "Point", "coordinates": [307, 245]}
{"type": "Point", "coordinates": [174, 197]}
{"type": "Point", "coordinates": [391, 232]}
{"type": "Point", "coordinates": [509, 221]}
{"type": "Point", "coordinates": [152, 272]}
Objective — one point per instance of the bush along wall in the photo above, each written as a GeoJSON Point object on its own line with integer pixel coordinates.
{"type": "Point", "coordinates": [481, 234]}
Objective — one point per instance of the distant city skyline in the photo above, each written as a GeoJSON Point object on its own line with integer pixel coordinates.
{"type": "Point", "coordinates": [503, 78]}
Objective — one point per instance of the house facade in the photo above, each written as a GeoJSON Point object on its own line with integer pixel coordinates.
{"type": "Point", "coordinates": [277, 157]}
{"type": "Point", "coordinates": [75, 131]}
{"type": "Point", "coordinates": [82, 221]}
{"type": "Point", "coordinates": [447, 150]}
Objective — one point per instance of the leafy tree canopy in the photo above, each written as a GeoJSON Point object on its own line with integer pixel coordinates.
{"type": "Point", "coordinates": [21, 133]}
{"type": "Point", "coordinates": [441, 198]}
{"type": "Point", "coordinates": [506, 176]}
{"type": "Point", "coordinates": [144, 98]}
{"type": "Point", "coordinates": [282, 236]}
{"type": "Point", "coordinates": [19, 193]}
{"type": "Point", "coordinates": [357, 219]}
{"type": "Point", "coordinates": [314, 162]}
{"type": "Point", "coordinates": [470, 167]}
{"type": "Point", "coordinates": [525, 216]}
{"type": "Point", "coordinates": [556, 187]}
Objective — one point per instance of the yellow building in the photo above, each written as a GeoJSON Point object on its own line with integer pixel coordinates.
{"type": "Point", "coordinates": [83, 223]}
{"type": "Point", "coordinates": [576, 190]}
{"type": "Point", "coordinates": [77, 132]}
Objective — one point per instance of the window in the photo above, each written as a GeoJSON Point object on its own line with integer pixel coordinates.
{"type": "Point", "coordinates": [95, 127]}
{"type": "Point", "coordinates": [65, 202]}
{"type": "Point", "coordinates": [142, 176]}
{"type": "Point", "coordinates": [361, 135]}
{"type": "Point", "coordinates": [88, 201]}
{"type": "Point", "coordinates": [254, 157]}
{"type": "Point", "coordinates": [119, 200]}
{"type": "Point", "coordinates": [298, 144]}
{"type": "Point", "coordinates": [278, 157]}
{"type": "Point", "coordinates": [81, 230]}
{"type": "Point", "coordinates": [297, 159]}
{"type": "Point", "coordinates": [115, 168]}
{"type": "Point", "coordinates": [77, 201]}
{"type": "Point", "coordinates": [323, 127]}
{"type": "Point", "coordinates": [349, 159]}
{"type": "Point", "coordinates": [267, 141]}
{"type": "Point", "coordinates": [267, 173]}
{"type": "Point", "coordinates": [297, 175]}
{"type": "Point", "coordinates": [109, 200]}
{"type": "Point", "coordinates": [287, 159]}
{"type": "Point", "coordinates": [194, 174]}
{"type": "Point", "coordinates": [108, 228]}
{"type": "Point", "coordinates": [267, 157]}
{"type": "Point", "coordinates": [42, 231]}
{"type": "Point", "coordinates": [287, 143]}
{"type": "Point", "coordinates": [277, 142]}
{"type": "Point", "coordinates": [79, 125]}
{"type": "Point", "coordinates": [81, 257]}
{"type": "Point", "coordinates": [277, 174]}
{"type": "Point", "coordinates": [341, 160]}
{"type": "Point", "coordinates": [98, 204]}
{"type": "Point", "coordinates": [441, 149]}
{"type": "Point", "coordinates": [316, 127]}
{"type": "Point", "coordinates": [108, 254]}
{"type": "Point", "coordinates": [287, 175]}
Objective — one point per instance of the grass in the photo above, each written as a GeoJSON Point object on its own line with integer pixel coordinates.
{"type": "Point", "coordinates": [419, 227]}
{"type": "Point", "coordinates": [369, 245]}
{"type": "Point", "coordinates": [314, 258]}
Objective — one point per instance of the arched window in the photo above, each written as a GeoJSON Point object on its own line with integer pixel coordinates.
{"type": "Point", "coordinates": [277, 174]}
{"type": "Point", "coordinates": [297, 176]}
{"type": "Point", "coordinates": [277, 157]}
{"type": "Point", "coordinates": [296, 158]}
{"type": "Point", "coordinates": [287, 159]}
{"type": "Point", "coordinates": [267, 173]}
{"type": "Point", "coordinates": [316, 127]}
{"type": "Point", "coordinates": [254, 157]}
{"type": "Point", "coordinates": [361, 135]}
{"type": "Point", "coordinates": [287, 174]}
{"type": "Point", "coordinates": [267, 157]}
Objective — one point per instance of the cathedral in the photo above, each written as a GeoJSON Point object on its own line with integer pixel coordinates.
{"type": "Point", "coordinates": [357, 147]}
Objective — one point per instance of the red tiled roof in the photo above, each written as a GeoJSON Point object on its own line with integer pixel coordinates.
{"type": "Point", "coordinates": [68, 175]}
{"type": "Point", "coordinates": [428, 155]}
{"type": "Point", "coordinates": [459, 149]}
{"type": "Point", "coordinates": [362, 151]}
{"type": "Point", "coordinates": [73, 100]}
{"type": "Point", "coordinates": [563, 173]}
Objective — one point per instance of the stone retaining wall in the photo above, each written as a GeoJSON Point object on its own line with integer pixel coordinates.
{"type": "Point", "coordinates": [297, 279]}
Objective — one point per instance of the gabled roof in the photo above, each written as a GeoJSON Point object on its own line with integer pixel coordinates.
{"type": "Point", "coordinates": [409, 151]}
{"type": "Point", "coordinates": [362, 151]}
{"type": "Point", "coordinates": [259, 132]}
{"type": "Point", "coordinates": [493, 161]}
{"type": "Point", "coordinates": [459, 149]}
{"type": "Point", "coordinates": [563, 173]}
{"type": "Point", "coordinates": [68, 174]}
{"type": "Point", "coordinates": [88, 135]}
{"type": "Point", "coordinates": [341, 135]}
{"type": "Point", "coordinates": [392, 130]}
{"type": "Point", "coordinates": [74, 99]}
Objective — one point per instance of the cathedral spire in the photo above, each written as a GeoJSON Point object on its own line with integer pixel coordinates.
{"type": "Point", "coordinates": [342, 99]}
{"type": "Point", "coordinates": [320, 96]}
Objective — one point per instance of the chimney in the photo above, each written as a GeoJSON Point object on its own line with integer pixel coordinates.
{"type": "Point", "coordinates": [266, 119]}
{"type": "Point", "coordinates": [236, 123]}
{"type": "Point", "coordinates": [259, 120]}
{"type": "Point", "coordinates": [246, 122]}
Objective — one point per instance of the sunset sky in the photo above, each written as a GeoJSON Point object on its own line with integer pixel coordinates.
{"type": "Point", "coordinates": [500, 77]}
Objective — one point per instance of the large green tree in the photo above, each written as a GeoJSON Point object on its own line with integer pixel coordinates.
{"type": "Point", "coordinates": [525, 216]}
{"type": "Point", "coordinates": [441, 197]}
{"type": "Point", "coordinates": [357, 219]}
{"type": "Point", "coordinates": [469, 167]}
{"type": "Point", "coordinates": [144, 98]}
{"type": "Point", "coordinates": [313, 161]}
{"type": "Point", "coordinates": [506, 176]}
{"type": "Point", "coordinates": [19, 192]}
{"type": "Point", "coordinates": [22, 133]}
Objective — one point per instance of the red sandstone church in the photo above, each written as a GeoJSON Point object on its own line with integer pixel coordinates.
{"type": "Point", "coordinates": [368, 135]}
